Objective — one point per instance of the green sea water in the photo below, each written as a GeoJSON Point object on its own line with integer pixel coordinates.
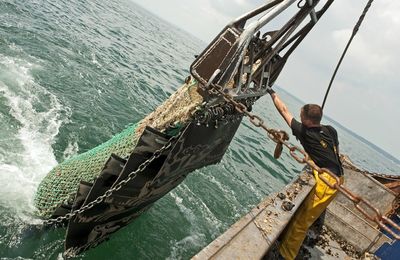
{"type": "Point", "coordinates": [75, 73]}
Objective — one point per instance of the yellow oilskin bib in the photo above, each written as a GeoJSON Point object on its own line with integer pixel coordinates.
{"type": "Point", "coordinates": [313, 206]}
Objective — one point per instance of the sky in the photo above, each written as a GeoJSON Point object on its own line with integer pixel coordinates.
{"type": "Point", "coordinates": [365, 95]}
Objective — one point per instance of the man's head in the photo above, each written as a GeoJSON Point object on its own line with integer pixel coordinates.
{"type": "Point", "coordinates": [311, 115]}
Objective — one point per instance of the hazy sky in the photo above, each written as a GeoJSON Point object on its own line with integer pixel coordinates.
{"type": "Point", "coordinates": [365, 96]}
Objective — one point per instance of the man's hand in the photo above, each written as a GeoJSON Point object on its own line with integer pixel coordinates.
{"type": "Point", "coordinates": [270, 90]}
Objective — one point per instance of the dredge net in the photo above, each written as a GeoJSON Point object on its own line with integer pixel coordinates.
{"type": "Point", "coordinates": [61, 183]}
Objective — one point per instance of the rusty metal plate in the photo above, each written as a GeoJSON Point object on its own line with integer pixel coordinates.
{"type": "Point", "coordinates": [215, 56]}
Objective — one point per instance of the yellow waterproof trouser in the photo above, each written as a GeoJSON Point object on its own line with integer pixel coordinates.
{"type": "Point", "coordinates": [313, 206]}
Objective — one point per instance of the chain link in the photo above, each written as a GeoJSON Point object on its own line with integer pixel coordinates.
{"type": "Point", "coordinates": [395, 206]}
{"type": "Point", "coordinates": [132, 175]}
{"type": "Point", "coordinates": [351, 166]}
{"type": "Point", "coordinates": [361, 204]}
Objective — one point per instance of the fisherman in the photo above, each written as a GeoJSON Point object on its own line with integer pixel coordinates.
{"type": "Point", "coordinates": [321, 144]}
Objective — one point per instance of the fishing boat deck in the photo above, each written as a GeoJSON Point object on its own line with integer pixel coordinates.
{"type": "Point", "coordinates": [341, 233]}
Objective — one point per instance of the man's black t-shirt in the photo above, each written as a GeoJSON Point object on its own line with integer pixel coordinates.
{"type": "Point", "coordinates": [320, 143]}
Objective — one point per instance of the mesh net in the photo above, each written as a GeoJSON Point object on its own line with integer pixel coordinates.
{"type": "Point", "coordinates": [61, 183]}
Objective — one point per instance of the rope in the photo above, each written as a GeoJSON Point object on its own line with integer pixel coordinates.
{"type": "Point", "coordinates": [355, 30]}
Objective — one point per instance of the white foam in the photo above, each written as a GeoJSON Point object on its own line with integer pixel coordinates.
{"type": "Point", "coordinates": [71, 150]}
{"type": "Point", "coordinates": [24, 165]}
{"type": "Point", "coordinates": [194, 205]}
{"type": "Point", "coordinates": [207, 214]}
{"type": "Point", "coordinates": [178, 248]}
{"type": "Point", "coordinates": [94, 59]}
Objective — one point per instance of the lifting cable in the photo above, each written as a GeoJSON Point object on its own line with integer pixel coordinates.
{"type": "Point", "coordinates": [355, 30]}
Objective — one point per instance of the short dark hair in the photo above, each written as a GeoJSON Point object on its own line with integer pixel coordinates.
{"type": "Point", "coordinates": [313, 113]}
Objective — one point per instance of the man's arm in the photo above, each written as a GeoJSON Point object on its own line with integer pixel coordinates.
{"type": "Point", "coordinates": [281, 107]}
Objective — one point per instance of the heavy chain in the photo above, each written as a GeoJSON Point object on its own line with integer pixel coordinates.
{"type": "Point", "coordinates": [383, 175]}
{"type": "Point", "coordinates": [360, 203]}
{"type": "Point", "coordinates": [351, 166]}
{"type": "Point", "coordinates": [132, 175]}
{"type": "Point", "coordinates": [395, 207]}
